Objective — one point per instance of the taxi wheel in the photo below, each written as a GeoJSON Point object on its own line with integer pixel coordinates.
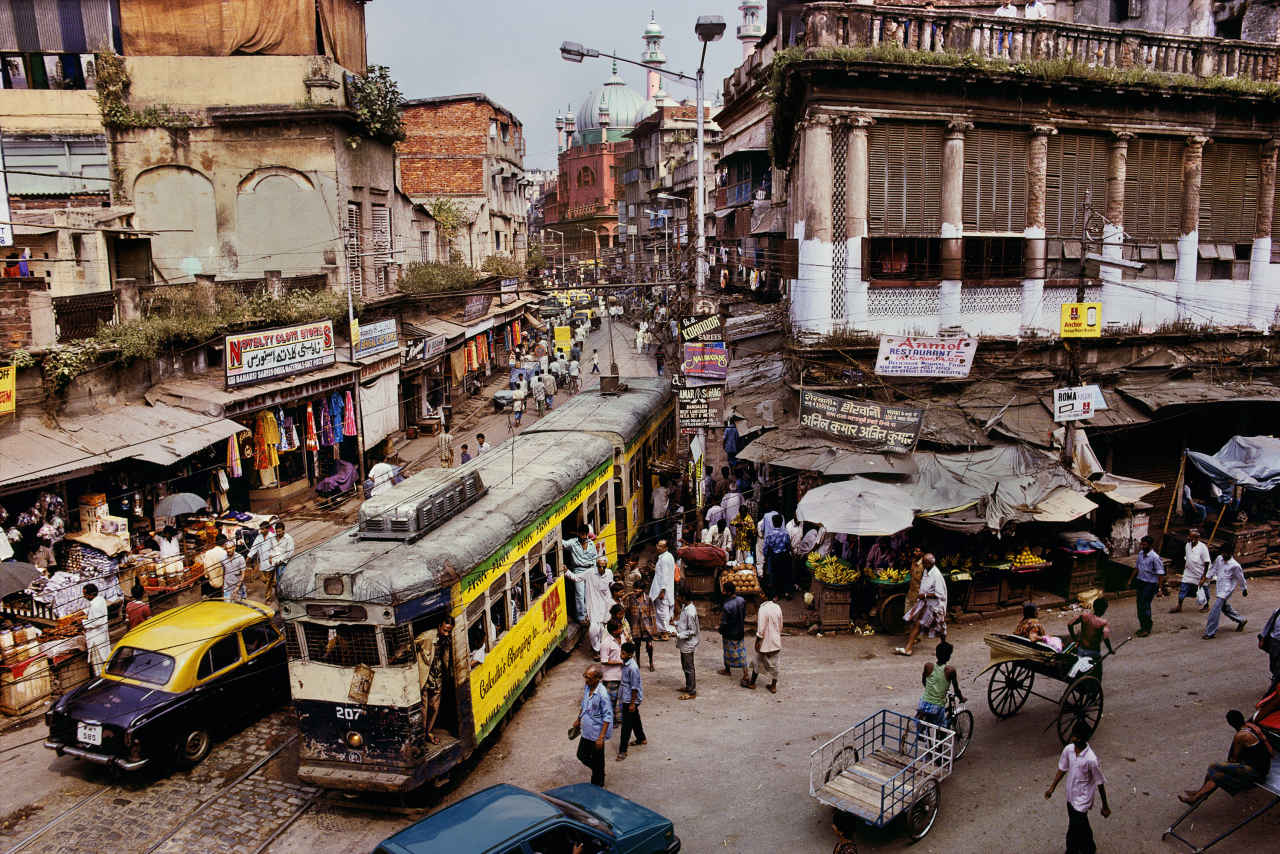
{"type": "Point", "coordinates": [194, 747]}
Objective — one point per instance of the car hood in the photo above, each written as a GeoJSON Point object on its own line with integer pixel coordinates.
{"type": "Point", "coordinates": [624, 816]}
{"type": "Point", "coordinates": [110, 702]}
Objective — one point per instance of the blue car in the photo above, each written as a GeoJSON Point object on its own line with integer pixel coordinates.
{"type": "Point", "coordinates": [504, 819]}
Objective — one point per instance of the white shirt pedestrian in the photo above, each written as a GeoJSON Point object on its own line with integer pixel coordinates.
{"type": "Point", "coordinates": [1084, 776]}
{"type": "Point", "coordinates": [1229, 576]}
{"type": "Point", "coordinates": [664, 582]}
{"type": "Point", "coordinates": [661, 501]}
{"type": "Point", "coordinates": [97, 636]}
{"type": "Point", "coordinates": [1196, 561]}
{"type": "Point", "coordinates": [732, 504]}
{"type": "Point", "coordinates": [1035, 11]}
{"type": "Point", "coordinates": [1008, 10]}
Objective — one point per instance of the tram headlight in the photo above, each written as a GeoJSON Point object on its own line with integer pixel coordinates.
{"type": "Point", "coordinates": [354, 739]}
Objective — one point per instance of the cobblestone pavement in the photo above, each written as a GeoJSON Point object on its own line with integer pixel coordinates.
{"type": "Point", "coordinates": [142, 811]}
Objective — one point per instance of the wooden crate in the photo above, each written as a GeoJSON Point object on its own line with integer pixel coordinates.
{"type": "Point", "coordinates": [833, 605]}
{"type": "Point", "coordinates": [24, 686]}
{"type": "Point", "coordinates": [985, 593]}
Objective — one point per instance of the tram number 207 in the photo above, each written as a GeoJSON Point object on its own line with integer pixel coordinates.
{"type": "Point", "coordinates": [349, 713]}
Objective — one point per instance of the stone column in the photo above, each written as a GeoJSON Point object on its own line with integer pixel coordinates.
{"type": "Point", "coordinates": [1113, 228]}
{"type": "Point", "coordinates": [856, 190]}
{"type": "Point", "coordinates": [811, 295]}
{"type": "Point", "coordinates": [1033, 234]}
{"type": "Point", "coordinates": [1262, 290]}
{"type": "Point", "coordinates": [1189, 234]}
{"type": "Point", "coordinates": [952, 223]}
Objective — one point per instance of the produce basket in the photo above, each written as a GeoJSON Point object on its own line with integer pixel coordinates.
{"type": "Point", "coordinates": [745, 581]}
{"type": "Point", "coordinates": [832, 571]}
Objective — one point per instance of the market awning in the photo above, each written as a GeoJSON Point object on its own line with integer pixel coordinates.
{"type": "Point", "coordinates": [206, 393]}
{"type": "Point", "coordinates": [432, 326]}
{"type": "Point", "coordinates": [795, 448]}
{"type": "Point", "coordinates": [33, 450]}
{"type": "Point", "coordinates": [1063, 505]}
{"type": "Point", "coordinates": [1249, 461]}
{"type": "Point", "coordinates": [1164, 393]}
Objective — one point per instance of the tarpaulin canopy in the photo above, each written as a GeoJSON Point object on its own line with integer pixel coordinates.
{"type": "Point", "coordinates": [1249, 461]}
{"type": "Point", "coordinates": [796, 448]}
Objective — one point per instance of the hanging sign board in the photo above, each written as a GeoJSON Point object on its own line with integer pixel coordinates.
{"type": "Point", "coordinates": [6, 230]}
{"type": "Point", "coordinates": [509, 292]}
{"type": "Point", "coordinates": [700, 407]}
{"type": "Point", "coordinates": [477, 306]}
{"type": "Point", "coordinates": [1073, 404]}
{"type": "Point", "coordinates": [706, 360]}
{"type": "Point", "coordinates": [1081, 320]}
{"type": "Point", "coordinates": [377, 337]}
{"type": "Point", "coordinates": [421, 349]}
{"type": "Point", "coordinates": [879, 426]}
{"type": "Point", "coordinates": [255, 357]}
{"type": "Point", "coordinates": [8, 389]}
{"type": "Point", "coordinates": [911, 356]}
{"type": "Point", "coordinates": [699, 328]}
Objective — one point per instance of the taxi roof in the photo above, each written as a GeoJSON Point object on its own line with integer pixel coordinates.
{"type": "Point", "coordinates": [190, 625]}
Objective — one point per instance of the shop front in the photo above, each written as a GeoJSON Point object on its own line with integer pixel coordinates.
{"type": "Point", "coordinates": [426, 376]}
{"type": "Point", "coordinates": [378, 353]}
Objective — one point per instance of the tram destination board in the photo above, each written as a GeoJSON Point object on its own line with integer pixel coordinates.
{"type": "Point", "coordinates": [875, 426]}
{"type": "Point", "coordinates": [700, 407]}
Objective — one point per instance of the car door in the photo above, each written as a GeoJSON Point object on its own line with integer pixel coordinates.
{"type": "Point", "coordinates": [264, 672]}
{"type": "Point", "coordinates": [220, 693]}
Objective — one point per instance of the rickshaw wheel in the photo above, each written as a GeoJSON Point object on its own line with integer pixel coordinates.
{"type": "Point", "coordinates": [1082, 701]}
{"type": "Point", "coordinates": [923, 811]}
{"type": "Point", "coordinates": [891, 611]}
{"type": "Point", "coordinates": [1009, 688]}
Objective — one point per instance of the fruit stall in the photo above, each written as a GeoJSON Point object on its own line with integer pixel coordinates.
{"type": "Point", "coordinates": [841, 591]}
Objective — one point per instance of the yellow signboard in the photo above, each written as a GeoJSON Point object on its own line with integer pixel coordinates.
{"type": "Point", "coordinates": [564, 338]}
{"type": "Point", "coordinates": [497, 680]}
{"type": "Point", "coordinates": [1081, 320]}
{"type": "Point", "coordinates": [8, 389]}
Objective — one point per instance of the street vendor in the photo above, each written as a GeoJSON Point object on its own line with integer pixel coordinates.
{"type": "Point", "coordinates": [930, 611]}
{"type": "Point", "coordinates": [97, 636]}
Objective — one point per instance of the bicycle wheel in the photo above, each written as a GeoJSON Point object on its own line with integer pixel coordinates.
{"type": "Point", "coordinates": [962, 725]}
{"type": "Point", "coordinates": [923, 812]}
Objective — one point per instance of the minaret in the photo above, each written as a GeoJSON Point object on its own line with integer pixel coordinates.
{"type": "Point", "coordinates": [559, 132]}
{"type": "Point", "coordinates": [570, 125]}
{"type": "Point", "coordinates": [751, 30]}
{"type": "Point", "coordinates": [653, 56]}
{"type": "Point", "coordinates": [603, 115]}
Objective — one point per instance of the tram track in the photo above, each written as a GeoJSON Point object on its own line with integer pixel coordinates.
{"type": "Point", "coordinates": [28, 840]}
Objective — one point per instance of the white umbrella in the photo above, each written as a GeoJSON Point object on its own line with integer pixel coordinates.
{"type": "Point", "coordinates": [179, 504]}
{"type": "Point", "coordinates": [868, 508]}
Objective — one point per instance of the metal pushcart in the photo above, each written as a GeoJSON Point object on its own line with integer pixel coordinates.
{"type": "Point", "coordinates": [883, 767]}
{"type": "Point", "coordinates": [1015, 663]}
{"type": "Point", "coordinates": [1271, 786]}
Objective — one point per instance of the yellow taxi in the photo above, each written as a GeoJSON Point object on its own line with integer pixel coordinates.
{"type": "Point", "coordinates": [171, 684]}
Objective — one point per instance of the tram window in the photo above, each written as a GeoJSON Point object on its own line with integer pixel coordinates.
{"type": "Point", "coordinates": [518, 603]}
{"type": "Point", "coordinates": [602, 497]}
{"type": "Point", "coordinates": [498, 617]}
{"type": "Point", "coordinates": [344, 646]}
{"type": "Point", "coordinates": [476, 640]}
{"type": "Point", "coordinates": [539, 578]}
{"type": "Point", "coordinates": [398, 641]}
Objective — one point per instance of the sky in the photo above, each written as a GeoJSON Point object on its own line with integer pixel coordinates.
{"type": "Point", "coordinates": [510, 50]}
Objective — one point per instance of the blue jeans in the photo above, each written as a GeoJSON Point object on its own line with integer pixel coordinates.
{"type": "Point", "coordinates": [1185, 590]}
{"type": "Point", "coordinates": [1220, 606]}
{"type": "Point", "coordinates": [1146, 593]}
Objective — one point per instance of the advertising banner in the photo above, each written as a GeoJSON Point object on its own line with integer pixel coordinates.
{"type": "Point", "coordinates": [255, 357]}
{"type": "Point", "coordinates": [700, 407]}
{"type": "Point", "coordinates": [510, 289]}
{"type": "Point", "coordinates": [707, 360]}
{"type": "Point", "coordinates": [700, 328]}
{"type": "Point", "coordinates": [8, 389]}
{"type": "Point", "coordinates": [421, 349]}
{"type": "Point", "coordinates": [377, 337]}
{"type": "Point", "coordinates": [879, 426]}
{"type": "Point", "coordinates": [1081, 320]}
{"type": "Point", "coordinates": [1073, 404]}
{"type": "Point", "coordinates": [911, 356]}
{"type": "Point", "coordinates": [477, 306]}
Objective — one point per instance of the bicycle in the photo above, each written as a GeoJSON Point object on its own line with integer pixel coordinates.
{"type": "Point", "coordinates": [959, 720]}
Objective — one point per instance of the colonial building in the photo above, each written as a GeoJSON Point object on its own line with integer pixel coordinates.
{"type": "Point", "coordinates": [469, 150]}
{"type": "Point", "coordinates": [1006, 166]}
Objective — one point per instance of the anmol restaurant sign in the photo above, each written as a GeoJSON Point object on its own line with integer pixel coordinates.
{"type": "Point", "coordinates": [269, 354]}
{"type": "Point", "coordinates": [877, 426]}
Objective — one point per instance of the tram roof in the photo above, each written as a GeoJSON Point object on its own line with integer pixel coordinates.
{"type": "Point", "coordinates": [547, 466]}
{"type": "Point", "coordinates": [621, 414]}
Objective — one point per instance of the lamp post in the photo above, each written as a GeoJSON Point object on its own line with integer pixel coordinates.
{"type": "Point", "coordinates": [681, 200]}
{"type": "Point", "coordinates": [666, 235]}
{"type": "Point", "coordinates": [560, 234]}
{"type": "Point", "coordinates": [708, 28]}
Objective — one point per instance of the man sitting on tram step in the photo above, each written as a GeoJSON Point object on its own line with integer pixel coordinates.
{"type": "Point", "coordinates": [435, 656]}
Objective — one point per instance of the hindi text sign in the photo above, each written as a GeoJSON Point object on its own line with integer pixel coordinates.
{"type": "Point", "coordinates": [880, 426]}
{"type": "Point", "coordinates": [254, 357]}
{"type": "Point", "coordinates": [912, 356]}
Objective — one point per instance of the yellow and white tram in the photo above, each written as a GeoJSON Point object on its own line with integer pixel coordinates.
{"type": "Point", "coordinates": [480, 543]}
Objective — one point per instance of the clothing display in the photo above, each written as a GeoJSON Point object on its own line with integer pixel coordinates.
{"type": "Point", "coordinates": [313, 441]}
{"type": "Point", "coordinates": [233, 458]}
{"type": "Point", "coordinates": [349, 419]}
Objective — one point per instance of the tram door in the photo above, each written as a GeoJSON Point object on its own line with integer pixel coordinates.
{"type": "Point", "coordinates": [620, 512]}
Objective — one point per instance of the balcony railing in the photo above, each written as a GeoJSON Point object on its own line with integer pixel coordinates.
{"type": "Point", "coordinates": [1021, 40]}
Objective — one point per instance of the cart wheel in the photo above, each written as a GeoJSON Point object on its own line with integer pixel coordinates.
{"type": "Point", "coordinates": [1009, 688]}
{"type": "Point", "coordinates": [891, 611]}
{"type": "Point", "coordinates": [1082, 701]}
{"type": "Point", "coordinates": [923, 811]}
{"type": "Point", "coordinates": [963, 728]}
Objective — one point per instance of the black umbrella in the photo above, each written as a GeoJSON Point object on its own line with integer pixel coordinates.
{"type": "Point", "coordinates": [16, 575]}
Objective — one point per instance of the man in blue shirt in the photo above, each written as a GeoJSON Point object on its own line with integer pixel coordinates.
{"type": "Point", "coordinates": [595, 719]}
{"type": "Point", "coordinates": [630, 695]}
{"type": "Point", "coordinates": [1149, 571]}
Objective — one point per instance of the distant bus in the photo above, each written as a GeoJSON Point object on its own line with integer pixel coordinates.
{"type": "Point", "coordinates": [482, 543]}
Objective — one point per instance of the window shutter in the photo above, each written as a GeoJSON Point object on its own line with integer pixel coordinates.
{"type": "Point", "coordinates": [1153, 190]}
{"type": "Point", "coordinates": [352, 246]}
{"type": "Point", "coordinates": [905, 179]}
{"type": "Point", "coordinates": [381, 221]}
{"type": "Point", "coordinates": [995, 180]}
{"type": "Point", "coordinates": [1077, 168]}
{"type": "Point", "coordinates": [1229, 192]}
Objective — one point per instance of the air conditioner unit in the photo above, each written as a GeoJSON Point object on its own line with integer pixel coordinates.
{"type": "Point", "coordinates": [420, 515]}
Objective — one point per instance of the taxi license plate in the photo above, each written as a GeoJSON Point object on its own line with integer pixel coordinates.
{"type": "Point", "coordinates": [89, 734]}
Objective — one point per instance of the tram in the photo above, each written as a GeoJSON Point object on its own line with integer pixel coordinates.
{"type": "Point", "coordinates": [482, 544]}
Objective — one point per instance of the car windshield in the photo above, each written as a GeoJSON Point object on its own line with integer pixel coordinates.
{"type": "Point", "coordinates": [577, 813]}
{"type": "Point", "coordinates": [142, 665]}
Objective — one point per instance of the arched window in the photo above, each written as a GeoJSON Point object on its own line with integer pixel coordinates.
{"type": "Point", "coordinates": [586, 178]}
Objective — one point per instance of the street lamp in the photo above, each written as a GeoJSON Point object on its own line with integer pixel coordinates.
{"type": "Point", "coordinates": [666, 234]}
{"type": "Point", "coordinates": [561, 235]}
{"type": "Point", "coordinates": [708, 28]}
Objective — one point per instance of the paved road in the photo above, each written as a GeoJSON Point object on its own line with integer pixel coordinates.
{"type": "Point", "coordinates": [731, 768]}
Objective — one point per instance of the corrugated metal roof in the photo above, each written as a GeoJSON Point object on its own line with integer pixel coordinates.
{"type": "Point", "coordinates": [1156, 396]}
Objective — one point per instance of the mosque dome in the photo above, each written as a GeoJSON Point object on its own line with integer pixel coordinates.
{"type": "Point", "coordinates": [653, 28]}
{"type": "Point", "coordinates": [625, 106]}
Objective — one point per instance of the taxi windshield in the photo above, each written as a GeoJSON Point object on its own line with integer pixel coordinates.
{"type": "Point", "coordinates": [141, 664]}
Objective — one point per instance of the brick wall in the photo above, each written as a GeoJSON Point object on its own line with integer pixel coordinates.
{"type": "Point", "coordinates": [15, 312]}
{"type": "Point", "coordinates": [44, 203]}
{"type": "Point", "coordinates": [444, 149]}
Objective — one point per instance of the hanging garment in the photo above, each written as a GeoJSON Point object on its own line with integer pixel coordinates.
{"type": "Point", "coordinates": [326, 426]}
{"type": "Point", "coordinates": [218, 491]}
{"type": "Point", "coordinates": [313, 442]}
{"type": "Point", "coordinates": [335, 406]}
{"type": "Point", "coordinates": [272, 437]}
{"type": "Point", "coordinates": [233, 457]}
{"type": "Point", "coordinates": [349, 421]}
{"type": "Point", "coordinates": [283, 422]}
{"type": "Point", "coordinates": [261, 458]}
{"type": "Point", "coordinates": [289, 435]}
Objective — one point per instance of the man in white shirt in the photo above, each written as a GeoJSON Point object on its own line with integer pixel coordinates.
{"type": "Point", "coordinates": [260, 549]}
{"type": "Point", "coordinates": [1035, 11]}
{"type": "Point", "coordinates": [661, 500]}
{"type": "Point", "coordinates": [281, 554]}
{"type": "Point", "coordinates": [1005, 38]}
{"type": "Point", "coordinates": [97, 636]}
{"type": "Point", "coordinates": [1195, 562]}
{"type": "Point", "coordinates": [1227, 572]}
{"type": "Point", "coordinates": [663, 589]}
{"type": "Point", "coordinates": [1079, 764]}
{"type": "Point", "coordinates": [380, 473]}
{"type": "Point", "coordinates": [930, 611]}
{"type": "Point", "coordinates": [597, 599]}
{"type": "Point", "coordinates": [214, 561]}
{"type": "Point", "coordinates": [732, 504]}
{"type": "Point", "coordinates": [768, 644]}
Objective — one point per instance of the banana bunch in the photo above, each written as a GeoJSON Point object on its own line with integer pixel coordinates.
{"type": "Point", "coordinates": [892, 576]}
{"type": "Point", "coordinates": [832, 570]}
{"type": "Point", "coordinates": [864, 631]}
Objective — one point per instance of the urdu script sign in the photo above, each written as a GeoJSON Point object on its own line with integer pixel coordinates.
{"type": "Point", "coordinates": [255, 357]}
